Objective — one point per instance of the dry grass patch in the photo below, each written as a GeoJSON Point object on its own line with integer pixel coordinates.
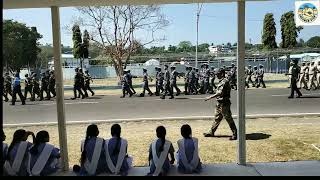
{"type": "Point", "coordinates": [290, 139]}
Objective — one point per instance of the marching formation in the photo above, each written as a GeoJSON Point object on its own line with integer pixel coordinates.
{"type": "Point", "coordinates": [196, 81]}
{"type": "Point", "coordinates": [43, 88]}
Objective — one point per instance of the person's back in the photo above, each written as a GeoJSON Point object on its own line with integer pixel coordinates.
{"type": "Point", "coordinates": [114, 149]}
{"type": "Point", "coordinates": [90, 149]}
{"type": "Point", "coordinates": [189, 149]}
{"type": "Point", "coordinates": [51, 165]}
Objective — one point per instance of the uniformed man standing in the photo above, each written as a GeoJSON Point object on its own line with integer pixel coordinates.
{"type": "Point", "coordinates": [166, 84]}
{"type": "Point", "coordinates": [260, 77]}
{"type": "Point", "coordinates": [302, 79]}
{"type": "Point", "coordinates": [125, 84]}
{"type": "Point", "coordinates": [206, 78]}
{"type": "Point", "coordinates": [312, 76]}
{"type": "Point", "coordinates": [87, 80]}
{"type": "Point", "coordinates": [44, 86]}
{"type": "Point", "coordinates": [17, 90]}
{"type": "Point", "coordinates": [159, 81]}
{"type": "Point", "coordinates": [52, 84]}
{"type": "Point", "coordinates": [146, 78]}
{"type": "Point", "coordinates": [35, 87]}
{"type": "Point", "coordinates": [27, 86]}
{"type": "Point", "coordinates": [223, 106]}
{"type": "Point", "coordinates": [7, 83]}
{"type": "Point", "coordinates": [173, 80]}
{"type": "Point", "coordinates": [77, 85]}
{"type": "Point", "coordinates": [294, 71]}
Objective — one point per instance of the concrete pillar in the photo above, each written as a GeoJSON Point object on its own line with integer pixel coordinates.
{"type": "Point", "coordinates": [241, 84]}
{"type": "Point", "coordinates": [55, 16]}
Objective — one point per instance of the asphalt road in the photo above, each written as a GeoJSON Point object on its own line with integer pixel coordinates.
{"type": "Point", "coordinates": [104, 107]}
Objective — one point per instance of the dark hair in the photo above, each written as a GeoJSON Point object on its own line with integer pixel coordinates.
{"type": "Point", "coordinates": [116, 131]}
{"type": "Point", "coordinates": [18, 136]}
{"type": "Point", "coordinates": [92, 131]}
{"type": "Point", "coordinates": [186, 131]}
{"type": "Point", "coordinates": [3, 136]}
{"type": "Point", "coordinates": [41, 137]}
{"type": "Point", "coordinates": [161, 134]}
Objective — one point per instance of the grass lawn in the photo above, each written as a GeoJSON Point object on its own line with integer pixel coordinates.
{"type": "Point", "coordinates": [280, 139]}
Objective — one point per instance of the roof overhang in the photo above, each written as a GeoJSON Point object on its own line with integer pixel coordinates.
{"type": "Point", "coordinates": [19, 4]}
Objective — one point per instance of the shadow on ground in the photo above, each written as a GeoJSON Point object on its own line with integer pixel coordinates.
{"type": "Point", "coordinates": [257, 136]}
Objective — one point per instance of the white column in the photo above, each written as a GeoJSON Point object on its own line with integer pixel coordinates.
{"type": "Point", "coordinates": [55, 16]}
{"type": "Point", "coordinates": [241, 84]}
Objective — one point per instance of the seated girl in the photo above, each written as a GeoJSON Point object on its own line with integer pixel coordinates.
{"type": "Point", "coordinates": [158, 154]}
{"type": "Point", "coordinates": [116, 152]}
{"type": "Point", "coordinates": [93, 159]}
{"type": "Point", "coordinates": [43, 157]}
{"type": "Point", "coordinates": [188, 154]}
{"type": "Point", "coordinates": [4, 147]}
{"type": "Point", "coordinates": [17, 156]}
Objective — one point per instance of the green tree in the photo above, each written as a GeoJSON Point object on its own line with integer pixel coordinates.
{"type": "Point", "coordinates": [185, 46]}
{"type": "Point", "coordinates": [203, 47]}
{"type": "Point", "coordinates": [289, 31]}
{"type": "Point", "coordinates": [314, 42]}
{"type": "Point", "coordinates": [269, 32]}
{"type": "Point", "coordinates": [85, 44]}
{"type": "Point", "coordinates": [172, 48]}
{"type": "Point", "coordinates": [20, 45]}
{"type": "Point", "coordinates": [77, 42]}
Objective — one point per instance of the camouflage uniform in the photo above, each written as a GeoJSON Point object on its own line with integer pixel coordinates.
{"type": "Point", "coordinates": [223, 108]}
{"type": "Point", "coordinates": [77, 84]}
{"type": "Point", "coordinates": [7, 84]}
{"type": "Point", "coordinates": [87, 80]}
{"type": "Point", "coordinates": [35, 87]}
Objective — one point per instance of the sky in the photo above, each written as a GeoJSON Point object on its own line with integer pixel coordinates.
{"type": "Point", "coordinates": [218, 22]}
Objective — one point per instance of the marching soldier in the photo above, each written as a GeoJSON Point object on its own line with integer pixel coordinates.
{"type": "Point", "coordinates": [166, 84]}
{"type": "Point", "coordinates": [7, 86]}
{"type": "Point", "coordinates": [130, 76]}
{"type": "Point", "coordinates": [52, 84]}
{"type": "Point", "coordinates": [232, 76]}
{"type": "Point", "coordinates": [294, 71]}
{"type": "Point", "coordinates": [77, 85]}
{"type": "Point", "coordinates": [312, 76]}
{"type": "Point", "coordinates": [44, 86]}
{"type": "Point", "coordinates": [146, 78]}
{"type": "Point", "coordinates": [223, 106]}
{"type": "Point", "coordinates": [159, 81]}
{"type": "Point", "coordinates": [197, 78]}
{"type": "Point", "coordinates": [87, 80]}
{"type": "Point", "coordinates": [249, 76]}
{"type": "Point", "coordinates": [212, 79]}
{"type": "Point", "coordinates": [307, 71]}
{"type": "Point", "coordinates": [82, 85]}
{"type": "Point", "coordinates": [17, 90]}
{"type": "Point", "coordinates": [125, 84]}
{"type": "Point", "coordinates": [27, 86]}
{"type": "Point", "coordinates": [255, 75]}
{"type": "Point", "coordinates": [260, 77]}
{"type": "Point", "coordinates": [206, 78]}
{"type": "Point", "coordinates": [302, 78]}
{"type": "Point", "coordinates": [186, 80]}
{"type": "Point", "coordinates": [246, 72]}
{"type": "Point", "coordinates": [193, 82]}
{"type": "Point", "coordinates": [35, 86]}
{"type": "Point", "coordinates": [201, 79]}
{"type": "Point", "coordinates": [173, 80]}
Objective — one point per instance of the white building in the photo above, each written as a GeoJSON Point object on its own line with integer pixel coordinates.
{"type": "Point", "coordinates": [219, 49]}
{"type": "Point", "coordinates": [68, 61]}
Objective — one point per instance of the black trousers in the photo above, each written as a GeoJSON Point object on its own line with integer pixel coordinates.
{"type": "Point", "coordinates": [261, 81]}
{"type": "Point", "coordinates": [186, 88]}
{"type": "Point", "coordinates": [27, 89]}
{"type": "Point", "coordinates": [87, 87]}
{"type": "Point", "coordinates": [52, 90]}
{"type": "Point", "coordinates": [44, 89]}
{"type": "Point", "coordinates": [131, 88]}
{"type": "Point", "coordinates": [174, 86]}
{"type": "Point", "coordinates": [126, 89]}
{"type": "Point", "coordinates": [294, 88]}
{"type": "Point", "coordinates": [7, 91]}
{"type": "Point", "coordinates": [146, 87]}
{"type": "Point", "coordinates": [75, 89]}
{"type": "Point", "coordinates": [17, 90]}
{"type": "Point", "coordinates": [167, 89]}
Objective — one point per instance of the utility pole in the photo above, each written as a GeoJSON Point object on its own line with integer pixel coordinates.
{"type": "Point", "coordinates": [198, 16]}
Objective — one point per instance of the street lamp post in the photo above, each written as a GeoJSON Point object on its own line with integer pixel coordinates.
{"type": "Point", "coordinates": [198, 15]}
